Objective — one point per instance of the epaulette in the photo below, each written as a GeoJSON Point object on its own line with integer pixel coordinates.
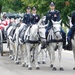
{"type": "Point", "coordinates": [73, 12]}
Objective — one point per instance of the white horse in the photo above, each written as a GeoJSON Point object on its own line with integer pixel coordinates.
{"type": "Point", "coordinates": [34, 35]}
{"type": "Point", "coordinates": [72, 40]}
{"type": "Point", "coordinates": [73, 48]}
{"type": "Point", "coordinates": [54, 40]}
{"type": "Point", "coordinates": [19, 48]}
{"type": "Point", "coordinates": [10, 43]}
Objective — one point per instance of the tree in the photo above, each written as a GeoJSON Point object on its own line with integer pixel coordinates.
{"type": "Point", "coordinates": [64, 6]}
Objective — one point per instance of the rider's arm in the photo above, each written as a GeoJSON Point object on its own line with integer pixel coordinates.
{"type": "Point", "coordinates": [46, 21]}
{"type": "Point", "coordinates": [73, 18]}
{"type": "Point", "coordinates": [24, 19]}
{"type": "Point", "coordinates": [58, 16]}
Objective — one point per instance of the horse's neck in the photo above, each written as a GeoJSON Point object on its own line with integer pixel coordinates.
{"type": "Point", "coordinates": [9, 30]}
{"type": "Point", "coordinates": [51, 34]}
{"type": "Point", "coordinates": [17, 30]}
{"type": "Point", "coordinates": [31, 32]}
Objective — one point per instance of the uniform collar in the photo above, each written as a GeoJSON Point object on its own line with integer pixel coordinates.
{"type": "Point", "coordinates": [28, 13]}
{"type": "Point", "coordinates": [34, 14]}
{"type": "Point", "coordinates": [52, 10]}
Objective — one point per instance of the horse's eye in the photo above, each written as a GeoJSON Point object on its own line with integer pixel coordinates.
{"type": "Point", "coordinates": [54, 28]}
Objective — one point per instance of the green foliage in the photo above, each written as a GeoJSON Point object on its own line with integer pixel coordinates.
{"type": "Point", "coordinates": [64, 6]}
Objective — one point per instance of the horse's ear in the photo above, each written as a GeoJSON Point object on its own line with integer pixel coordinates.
{"type": "Point", "coordinates": [60, 21]}
{"type": "Point", "coordinates": [52, 21]}
{"type": "Point", "coordinates": [68, 17]}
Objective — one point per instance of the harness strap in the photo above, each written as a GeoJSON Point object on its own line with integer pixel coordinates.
{"type": "Point", "coordinates": [55, 41]}
{"type": "Point", "coordinates": [33, 42]}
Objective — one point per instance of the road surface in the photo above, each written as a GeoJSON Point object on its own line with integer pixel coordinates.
{"type": "Point", "coordinates": [8, 67]}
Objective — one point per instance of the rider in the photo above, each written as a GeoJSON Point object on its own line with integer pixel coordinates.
{"type": "Point", "coordinates": [27, 16]}
{"type": "Point", "coordinates": [34, 16]}
{"type": "Point", "coordinates": [27, 21]}
{"type": "Point", "coordinates": [53, 14]}
{"type": "Point", "coordinates": [71, 31]}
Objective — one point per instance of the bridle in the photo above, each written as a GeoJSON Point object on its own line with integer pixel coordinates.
{"type": "Point", "coordinates": [56, 32]}
{"type": "Point", "coordinates": [39, 36]}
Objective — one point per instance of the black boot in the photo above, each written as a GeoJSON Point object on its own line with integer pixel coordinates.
{"type": "Point", "coordinates": [64, 45]}
{"type": "Point", "coordinates": [69, 45]}
{"type": "Point", "coordinates": [64, 40]}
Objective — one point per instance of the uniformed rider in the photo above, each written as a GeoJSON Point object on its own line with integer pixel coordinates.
{"type": "Point", "coordinates": [34, 17]}
{"type": "Point", "coordinates": [54, 15]}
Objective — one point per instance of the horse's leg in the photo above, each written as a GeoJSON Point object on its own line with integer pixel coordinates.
{"type": "Point", "coordinates": [29, 55]}
{"type": "Point", "coordinates": [16, 52]}
{"type": "Point", "coordinates": [74, 56]}
{"type": "Point", "coordinates": [21, 50]}
{"type": "Point", "coordinates": [60, 56]}
{"type": "Point", "coordinates": [50, 55]}
{"type": "Point", "coordinates": [12, 48]}
{"type": "Point", "coordinates": [10, 51]}
{"type": "Point", "coordinates": [23, 55]}
{"type": "Point", "coordinates": [39, 54]}
{"type": "Point", "coordinates": [53, 56]}
{"type": "Point", "coordinates": [44, 56]}
{"type": "Point", "coordinates": [36, 57]}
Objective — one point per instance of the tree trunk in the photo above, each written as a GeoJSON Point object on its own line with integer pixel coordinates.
{"type": "Point", "coordinates": [0, 9]}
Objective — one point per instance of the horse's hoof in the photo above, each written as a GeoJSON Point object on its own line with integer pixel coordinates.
{"type": "Point", "coordinates": [12, 58]}
{"type": "Point", "coordinates": [51, 65]}
{"type": "Point", "coordinates": [74, 68]}
{"type": "Point", "coordinates": [29, 68]}
{"type": "Point", "coordinates": [33, 60]}
{"type": "Point", "coordinates": [23, 65]}
{"type": "Point", "coordinates": [54, 69]}
{"type": "Point", "coordinates": [61, 69]}
{"type": "Point", "coordinates": [43, 62]}
{"type": "Point", "coordinates": [39, 63]}
{"type": "Point", "coordinates": [37, 68]}
{"type": "Point", "coordinates": [17, 63]}
{"type": "Point", "coordinates": [19, 58]}
{"type": "Point", "coordinates": [26, 66]}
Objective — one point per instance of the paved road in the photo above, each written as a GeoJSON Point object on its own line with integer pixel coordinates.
{"type": "Point", "coordinates": [8, 67]}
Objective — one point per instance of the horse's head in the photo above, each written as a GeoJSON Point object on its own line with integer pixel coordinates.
{"type": "Point", "coordinates": [69, 23]}
{"type": "Point", "coordinates": [42, 29]}
{"type": "Point", "coordinates": [42, 20]}
{"type": "Point", "coordinates": [41, 33]}
{"type": "Point", "coordinates": [57, 29]}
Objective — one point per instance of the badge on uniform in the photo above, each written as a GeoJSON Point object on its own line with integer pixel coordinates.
{"type": "Point", "coordinates": [36, 17]}
{"type": "Point", "coordinates": [49, 14]}
{"type": "Point", "coordinates": [55, 15]}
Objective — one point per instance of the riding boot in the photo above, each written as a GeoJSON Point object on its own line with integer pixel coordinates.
{"type": "Point", "coordinates": [64, 42]}
{"type": "Point", "coordinates": [69, 45]}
